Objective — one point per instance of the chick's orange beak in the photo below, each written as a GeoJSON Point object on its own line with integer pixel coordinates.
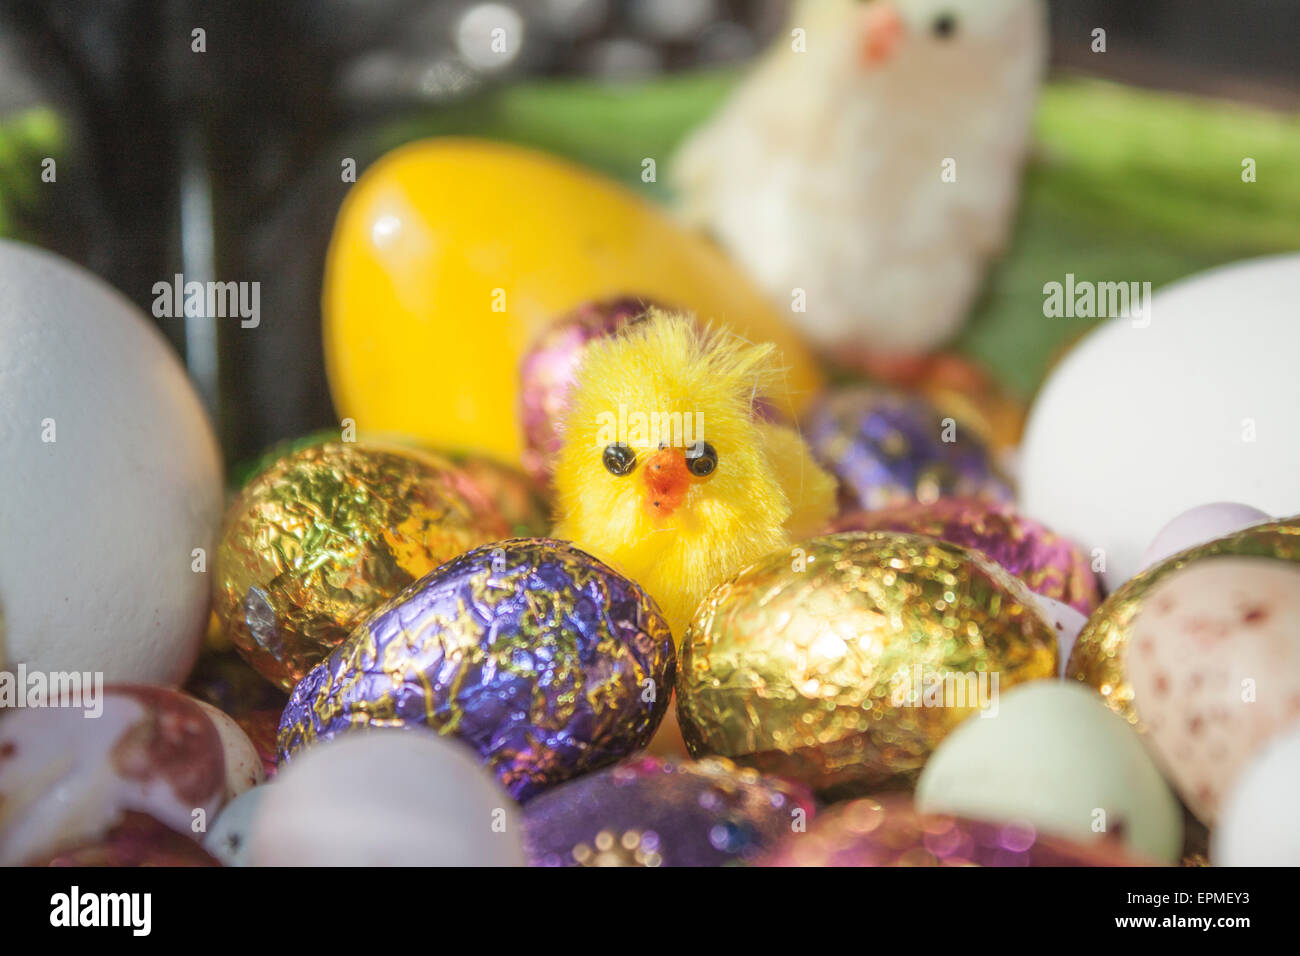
{"type": "Point", "coordinates": [667, 480]}
{"type": "Point", "coordinates": [883, 31]}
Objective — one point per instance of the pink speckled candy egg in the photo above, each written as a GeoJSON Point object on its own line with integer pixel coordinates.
{"type": "Point", "coordinates": [1215, 668]}
{"type": "Point", "coordinates": [1199, 525]}
{"type": "Point", "coordinates": [68, 779]}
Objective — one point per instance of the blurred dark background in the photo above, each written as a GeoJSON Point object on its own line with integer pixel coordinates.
{"type": "Point", "coordinates": [226, 165]}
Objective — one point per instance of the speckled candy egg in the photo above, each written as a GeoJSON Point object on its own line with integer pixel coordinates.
{"type": "Point", "coordinates": [548, 369]}
{"type": "Point", "coordinates": [652, 812]}
{"type": "Point", "coordinates": [67, 779]}
{"type": "Point", "coordinates": [1099, 657]}
{"type": "Point", "coordinates": [1215, 668]}
{"type": "Point", "coordinates": [1050, 755]}
{"type": "Point", "coordinates": [1049, 564]}
{"type": "Point", "coordinates": [318, 540]}
{"type": "Point", "coordinates": [888, 447]}
{"type": "Point", "coordinates": [844, 662]}
{"type": "Point", "coordinates": [386, 798]}
{"type": "Point", "coordinates": [892, 832]}
{"type": "Point", "coordinates": [541, 658]}
{"type": "Point", "coordinates": [1258, 825]}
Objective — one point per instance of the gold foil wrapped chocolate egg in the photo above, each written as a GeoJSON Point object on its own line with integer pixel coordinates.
{"type": "Point", "coordinates": [1098, 657]}
{"type": "Point", "coordinates": [320, 538]}
{"type": "Point", "coordinates": [844, 662]}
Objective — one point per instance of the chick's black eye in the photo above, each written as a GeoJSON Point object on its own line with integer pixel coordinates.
{"type": "Point", "coordinates": [944, 26]}
{"type": "Point", "coordinates": [701, 459]}
{"type": "Point", "coordinates": [619, 460]}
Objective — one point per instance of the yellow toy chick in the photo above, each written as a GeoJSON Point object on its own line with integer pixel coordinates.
{"type": "Point", "coordinates": [665, 473]}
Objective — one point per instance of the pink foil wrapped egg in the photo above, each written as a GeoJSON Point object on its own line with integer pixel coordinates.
{"type": "Point", "coordinates": [1048, 563]}
{"type": "Point", "coordinates": [548, 370]}
{"type": "Point", "coordinates": [892, 832]}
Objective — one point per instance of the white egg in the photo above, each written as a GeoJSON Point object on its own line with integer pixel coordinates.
{"type": "Point", "coordinates": [1066, 622]}
{"type": "Point", "coordinates": [1199, 525]}
{"type": "Point", "coordinates": [1052, 754]}
{"type": "Point", "coordinates": [111, 481]}
{"type": "Point", "coordinates": [386, 798]}
{"type": "Point", "coordinates": [1258, 825]}
{"type": "Point", "coordinates": [1150, 416]}
{"type": "Point", "coordinates": [227, 838]}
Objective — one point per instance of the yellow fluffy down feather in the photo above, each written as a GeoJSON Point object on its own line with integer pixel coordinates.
{"type": "Point", "coordinates": [697, 489]}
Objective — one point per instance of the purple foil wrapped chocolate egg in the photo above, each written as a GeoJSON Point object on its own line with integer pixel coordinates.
{"type": "Point", "coordinates": [540, 657]}
{"type": "Point", "coordinates": [548, 370]}
{"type": "Point", "coordinates": [651, 812]}
{"type": "Point", "coordinates": [887, 447]}
{"type": "Point", "coordinates": [1051, 565]}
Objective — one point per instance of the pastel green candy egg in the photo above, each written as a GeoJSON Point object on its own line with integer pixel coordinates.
{"type": "Point", "coordinates": [1051, 754]}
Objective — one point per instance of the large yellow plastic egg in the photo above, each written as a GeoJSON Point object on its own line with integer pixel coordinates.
{"type": "Point", "coordinates": [450, 255]}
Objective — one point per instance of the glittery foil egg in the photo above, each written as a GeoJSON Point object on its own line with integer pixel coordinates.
{"type": "Point", "coordinates": [544, 660]}
{"type": "Point", "coordinates": [318, 540]}
{"type": "Point", "coordinates": [68, 775]}
{"type": "Point", "coordinates": [1099, 655]}
{"type": "Point", "coordinates": [844, 662]}
{"type": "Point", "coordinates": [548, 369]}
{"type": "Point", "coordinates": [1215, 670]}
{"type": "Point", "coordinates": [891, 832]}
{"type": "Point", "coordinates": [887, 447]}
{"type": "Point", "coordinates": [1049, 564]}
{"type": "Point", "coordinates": [651, 812]}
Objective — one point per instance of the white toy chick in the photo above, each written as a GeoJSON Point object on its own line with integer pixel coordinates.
{"type": "Point", "coordinates": [873, 160]}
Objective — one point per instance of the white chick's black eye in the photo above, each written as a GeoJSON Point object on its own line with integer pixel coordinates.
{"type": "Point", "coordinates": [620, 460]}
{"type": "Point", "coordinates": [944, 26]}
{"type": "Point", "coordinates": [701, 459]}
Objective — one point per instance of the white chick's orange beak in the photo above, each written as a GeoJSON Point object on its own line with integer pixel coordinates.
{"type": "Point", "coordinates": [883, 34]}
{"type": "Point", "coordinates": [667, 480]}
